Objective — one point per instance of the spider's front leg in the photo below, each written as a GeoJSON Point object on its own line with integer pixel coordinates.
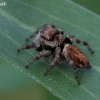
{"type": "Point", "coordinates": [44, 53]}
{"type": "Point", "coordinates": [35, 33]}
{"type": "Point", "coordinates": [57, 56]}
{"type": "Point", "coordinates": [37, 46]}
{"type": "Point", "coordinates": [26, 47]}
{"type": "Point", "coordinates": [72, 39]}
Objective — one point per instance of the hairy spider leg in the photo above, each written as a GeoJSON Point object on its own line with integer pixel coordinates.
{"type": "Point", "coordinates": [35, 33]}
{"type": "Point", "coordinates": [44, 53]}
{"type": "Point", "coordinates": [57, 56]}
{"type": "Point", "coordinates": [26, 47]}
{"type": "Point", "coordinates": [71, 63]}
{"type": "Point", "coordinates": [37, 46]}
{"type": "Point", "coordinates": [72, 39]}
{"type": "Point", "coordinates": [75, 71]}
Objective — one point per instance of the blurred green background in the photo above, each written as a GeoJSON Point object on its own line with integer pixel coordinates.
{"type": "Point", "coordinates": [15, 85]}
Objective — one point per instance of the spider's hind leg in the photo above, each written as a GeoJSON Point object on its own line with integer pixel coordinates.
{"type": "Point", "coordinates": [75, 71]}
{"type": "Point", "coordinates": [72, 39]}
{"type": "Point", "coordinates": [85, 44]}
{"type": "Point", "coordinates": [71, 63]}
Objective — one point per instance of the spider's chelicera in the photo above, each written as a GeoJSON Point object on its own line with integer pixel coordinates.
{"type": "Point", "coordinates": [49, 41]}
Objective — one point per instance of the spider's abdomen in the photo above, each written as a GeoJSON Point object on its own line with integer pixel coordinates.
{"type": "Point", "coordinates": [74, 54]}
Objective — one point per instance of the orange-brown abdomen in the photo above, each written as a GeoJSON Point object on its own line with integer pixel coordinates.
{"type": "Point", "coordinates": [75, 55]}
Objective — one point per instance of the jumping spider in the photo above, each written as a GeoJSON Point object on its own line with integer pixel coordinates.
{"type": "Point", "coordinates": [49, 41]}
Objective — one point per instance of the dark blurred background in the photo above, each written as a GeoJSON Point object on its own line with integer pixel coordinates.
{"type": "Point", "coordinates": [93, 5]}
{"type": "Point", "coordinates": [15, 85]}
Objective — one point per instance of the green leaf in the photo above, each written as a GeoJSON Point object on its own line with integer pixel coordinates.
{"type": "Point", "coordinates": [20, 18]}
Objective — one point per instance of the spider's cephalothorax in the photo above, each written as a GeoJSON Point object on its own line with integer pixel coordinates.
{"type": "Point", "coordinates": [45, 37]}
{"type": "Point", "coordinates": [49, 41]}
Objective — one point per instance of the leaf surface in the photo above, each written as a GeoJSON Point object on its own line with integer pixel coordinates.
{"type": "Point", "coordinates": [20, 18]}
